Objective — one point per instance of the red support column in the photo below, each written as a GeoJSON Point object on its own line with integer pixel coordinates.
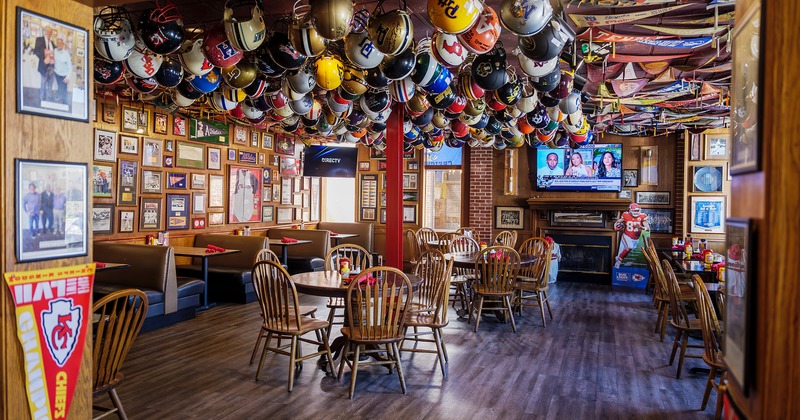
{"type": "Point", "coordinates": [394, 189]}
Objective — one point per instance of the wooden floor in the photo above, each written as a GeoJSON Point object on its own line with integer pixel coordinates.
{"type": "Point", "coordinates": [598, 359]}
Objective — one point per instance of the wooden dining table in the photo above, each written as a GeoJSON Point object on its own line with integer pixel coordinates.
{"type": "Point", "coordinates": [200, 252]}
{"type": "Point", "coordinates": [337, 239]}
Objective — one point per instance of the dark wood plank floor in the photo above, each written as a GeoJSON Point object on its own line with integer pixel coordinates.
{"type": "Point", "coordinates": [598, 358]}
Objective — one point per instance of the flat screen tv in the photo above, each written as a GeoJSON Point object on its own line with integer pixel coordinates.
{"type": "Point", "coordinates": [596, 167]}
{"type": "Point", "coordinates": [330, 161]}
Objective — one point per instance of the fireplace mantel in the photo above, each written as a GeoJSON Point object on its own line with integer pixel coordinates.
{"type": "Point", "coordinates": [579, 204]}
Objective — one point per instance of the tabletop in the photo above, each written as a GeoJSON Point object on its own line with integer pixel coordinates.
{"type": "Point", "coordinates": [329, 283]}
{"type": "Point", "coordinates": [200, 252]}
{"type": "Point", "coordinates": [281, 243]}
{"type": "Point", "coordinates": [345, 236]}
{"type": "Point", "coordinates": [468, 260]}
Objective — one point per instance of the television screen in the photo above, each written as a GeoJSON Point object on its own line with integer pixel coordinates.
{"type": "Point", "coordinates": [330, 161]}
{"type": "Point", "coordinates": [596, 167]}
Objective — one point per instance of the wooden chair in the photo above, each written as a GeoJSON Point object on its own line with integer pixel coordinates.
{"type": "Point", "coordinates": [425, 235]}
{"type": "Point", "coordinates": [506, 238]}
{"type": "Point", "coordinates": [280, 311]}
{"type": "Point", "coordinates": [647, 243]}
{"type": "Point", "coordinates": [267, 254]}
{"type": "Point", "coordinates": [462, 276]}
{"type": "Point", "coordinates": [712, 352]}
{"type": "Point", "coordinates": [359, 258]}
{"type": "Point", "coordinates": [120, 316]}
{"type": "Point", "coordinates": [661, 291]}
{"type": "Point", "coordinates": [437, 275]}
{"type": "Point", "coordinates": [495, 281]}
{"type": "Point", "coordinates": [469, 232]}
{"type": "Point", "coordinates": [429, 268]}
{"type": "Point", "coordinates": [680, 320]}
{"type": "Point", "coordinates": [532, 286]}
{"type": "Point", "coordinates": [445, 239]}
{"type": "Point", "coordinates": [413, 243]}
{"type": "Point", "coordinates": [377, 301]}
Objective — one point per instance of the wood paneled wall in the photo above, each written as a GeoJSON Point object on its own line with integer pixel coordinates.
{"type": "Point", "coordinates": [34, 137]}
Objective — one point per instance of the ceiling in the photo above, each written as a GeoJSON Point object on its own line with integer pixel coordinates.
{"type": "Point", "coordinates": [635, 86]}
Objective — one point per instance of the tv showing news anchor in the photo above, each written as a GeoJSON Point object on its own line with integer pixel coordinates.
{"type": "Point", "coordinates": [595, 167]}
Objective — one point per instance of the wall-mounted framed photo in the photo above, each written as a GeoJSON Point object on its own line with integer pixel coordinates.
{"type": "Point", "coordinates": [266, 141]}
{"type": "Point", "coordinates": [653, 197]}
{"type": "Point", "coordinates": [176, 181]}
{"type": "Point", "coordinates": [409, 196]}
{"type": "Point", "coordinates": [286, 190]}
{"type": "Point", "coordinates": [253, 138]}
{"type": "Point", "coordinates": [214, 159]}
{"type": "Point", "coordinates": [110, 113]}
{"type": "Point", "coordinates": [150, 214]}
{"type": "Point", "coordinates": [363, 166]}
{"type": "Point", "coordinates": [740, 305]}
{"type": "Point", "coordinates": [368, 214]}
{"type": "Point", "coordinates": [248, 157]}
{"type": "Point", "coordinates": [410, 213]}
{"type": "Point", "coordinates": [190, 155]}
{"type": "Point", "coordinates": [285, 215]}
{"type": "Point", "coordinates": [198, 222]}
{"type": "Point", "coordinates": [169, 146]}
{"type": "Point", "coordinates": [660, 220]}
{"type": "Point", "coordinates": [240, 135]}
{"type": "Point", "coordinates": [630, 177]}
{"type": "Point", "coordinates": [695, 148]}
{"type": "Point", "coordinates": [152, 152]}
{"type": "Point", "coordinates": [244, 194]}
{"type": "Point", "coordinates": [509, 217]}
{"type": "Point", "coordinates": [412, 165]}
{"type": "Point", "coordinates": [102, 218]}
{"type": "Point", "coordinates": [410, 181]}
{"type": "Point", "coordinates": [648, 166]}
{"type": "Point", "coordinates": [168, 161]}
{"type": "Point", "coordinates": [216, 191]}
{"type": "Point", "coordinates": [160, 123]}
{"type": "Point", "coordinates": [178, 126]}
{"type": "Point", "coordinates": [128, 144]}
{"type": "Point", "coordinates": [276, 193]}
{"type": "Point", "coordinates": [716, 146]}
{"type": "Point", "coordinates": [290, 166]}
{"type": "Point", "coordinates": [707, 179]}
{"type": "Point", "coordinates": [266, 178]}
{"type": "Point", "coordinates": [102, 180]}
{"type": "Point", "coordinates": [178, 211]}
{"type": "Point", "coordinates": [746, 95]}
{"type": "Point", "coordinates": [42, 235]}
{"type": "Point", "coordinates": [625, 194]}
{"type": "Point", "coordinates": [198, 181]}
{"type": "Point", "coordinates": [152, 181]}
{"type": "Point", "coordinates": [707, 214]}
{"type": "Point", "coordinates": [284, 144]}
{"type": "Point", "coordinates": [267, 213]}
{"type": "Point", "coordinates": [105, 145]}
{"type": "Point", "coordinates": [216, 219]}
{"type": "Point", "coordinates": [135, 120]}
{"type": "Point", "coordinates": [128, 181]}
{"type": "Point", "coordinates": [126, 218]}
{"type": "Point", "coordinates": [383, 215]}
{"type": "Point", "coordinates": [57, 83]}
{"type": "Point", "coordinates": [578, 218]}
{"type": "Point", "coordinates": [198, 203]}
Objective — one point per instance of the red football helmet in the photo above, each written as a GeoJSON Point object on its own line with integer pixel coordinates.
{"type": "Point", "coordinates": [634, 209]}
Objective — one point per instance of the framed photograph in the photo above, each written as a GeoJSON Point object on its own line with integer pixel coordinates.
{"type": "Point", "coordinates": [152, 181]}
{"type": "Point", "coordinates": [746, 94]}
{"type": "Point", "coordinates": [240, 135]}
{"type": "Point", "coordinates": [214, 159]}
{"type": "Point", "coordinates": [232, 154]}
{"type": "Point", "coordinates": [315, 196]}
{"type": "Point", "coordinates": [135, 120]}
{"type": "Point", "coordinates": [57, 45]}
{"type": "Point", "coordinates": [168, 161]}
{"type": "Point", "coordinates": [306, 183]}
{"type": "Point", "coordinates": [276, 193]}
{"type": "Point", "coordinates": [109, 113]}
{"type": "Point", "coordinates": [410, 213]}
{"type": "Point", "coordinates": [368, 214]}
{"type": "Point", "coordinates": [275, 160]}
{"type": "Point", "coordinates": [244, 194]}
{"type": "Point", "coordinates": [126, 218]}
{"type": "Point", "coordinates": [248, 157]}
{"type": "Point", "coordinates": [290, 166]}
{"type": "Point", "coordinates": [660, 220]}
{"type": "Point", "coordinates": [649, 165]}
{"type": "Point", "coordinates": [169, 146]}
{"type": "Point", "coordinates": [102, 180]}
{"type": "Point", "coordinates": [44, 235]}
{"type": "Point", "coordinates": [102, 218]}
{"type": "Point", "coordinates": [652, 197]}
{"type": "Point", "coordinates": [128, 144]}
{"type": "Point", "coordinates": [285, 215]}
{"type": "Point", "coordinates": [160, 122]}
{"type": "Point", "coordinates": [286, 190]}
{"type": "Point", "coordinates": [267, 213]}
{"type": "Point", "coordinates": [198, 222]}
{"type": "Point", "coordinates": [630, 177]}
{"type": "Point", "coordinates": [708, 214]}
{"type": "Point", "coordinates": [382, 165]}
{"type": "Point", "coordinates": [383, 215]}
{"type": "Point", "coordinates": [374, 153]}
{"type": "Point", "coordinates": [216, 219]}
{"type": "Point", "coordinates": [178, 126]}
{"type": "Point", "coordinates": [369, 190]}
{"type": "Point", "coordinates": [284, 144]}
{"type": "Point", "coordinates": [363, 166]}
{"type": "Point", "coordinates": [578, 218]}
{"type": "Point", "coordinates": [412, 165]}
{"type": "Point", "coordinates": [716, 146]}
{"type": "Point", "coordinates": [383, 198]}
{"type": "Point", "coordinates": [176, 181]}
{"type": "Point", "coordinates": [152, 152]}
{"type": "Point", "coordinates": [409, 196]}
{"type": "Point", "coordinates": [190, 155]}
{"type": "Point", "coordinates": [177, 211]}
{"type": "Point", "coordinates": [625, 194]}
{"type": "Point", "coordinates": [128, 181]}
{"type": "Point", "coordinates": [198, 203]}
{"type": "Point", "coordinates": [266, 177]}
{"type": "Point", "coordinates": [298, 214]}
{"type": "Point", "coordinates": [740, 305]}
{"type": "Point", "coordinates": [410, 181]}
{"type": "Point", "coordinates": [509, 217]}
{"type": "Point", "coordinates": [261, 159]}
{"type": "Point", "coordinates": [297, 199]}
{"type": "Point", "coordinates": [198, 181]}
{"type": "Point", "coordinates": [707, 179]}
{"type": "Point", "coordinates": [253, 138]}
{"type": "Point", "coordinates": [266, 141]}
{"type": "Point", "coordinates": [216, 191]}
{"type": "Point", "coordinates": [93, 109]}
{"type": "Point", "coordinates": [695, 147]}
{"type": "Point", "coordinates": [150, 214]}
{"type": "Point", "coordinates": [105, 145]}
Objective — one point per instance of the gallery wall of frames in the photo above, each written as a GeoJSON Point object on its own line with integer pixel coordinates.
{"type": "Point", "coordinates": [154, 172]}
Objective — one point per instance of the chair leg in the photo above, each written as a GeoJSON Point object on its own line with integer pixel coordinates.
{"type": "Point", "coordinates": [547, 301]}
{"type": "Point", "coordinates": [342, 362]}
{"type": "Point", "coordinates": [664, 322]}
{"type": "Point", "coordinates": [258, 341]}
{"type": "Point", "coordinates": [541, 308]}
{"type": "Point", "coordinates": [682, 357]}
{"type": "Point", "coordinates": [658, 319]}
{"type": "Point", "coordinates": [263, 354]}
{"type": "Point", "coordinates": [328, 352]}
{"type": "Point", "coordinates": [292, 363]}
{"type": "Point", "coordinates": [440, 355]}
{"type": "Point", "coordinates": [396, 354]}
{"type": "Point", "coordinates": [480, 309]}
{"type": "Point", "coordinates": [511, 312]}
{"type": "Point", "coordinates": [117, 404]}
{"type": "Point", "coordinates": [354, 371]}
{"type": "Point", "coordinates": [331, 315]}
{"type": "Point", "coordinates": [711, 377]}
{"type": "Point", "coordinates": [720, 391]}
{"type": "Point", "coordinates": [444, 347]}
{"type": "Point", "coordinates": [678, 335]}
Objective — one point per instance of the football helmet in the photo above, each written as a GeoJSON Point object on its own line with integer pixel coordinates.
{"type": "Point", "coordinates": [396, 67]}
{"type": "Point", "coordinates": [330, 72]}
{"type": "Point", "coordinates": [332, 18]}
{"type": "Point", "coordinates": [302, 80]}
{"type": "Point", "coordinates": [482, 36]}
{"type": "Point", "coordinates": [207, 83]}
{"type": "Point", "coordinates": [361, 51]}
{"type": "Point", "coordinates": [192, 58]}
{"type": "Point", "coordinates": [489, 70]}
{"type": "Point", "coordinates": [525, 17]}
{"type": "Point", "coordinates": [161, 29]}
{"type": "Point", "coordinates": [454, 16]}
{"type": "Point", "coordinates": [447, 49]}
{"type": "Point", "coordinates": [240, 75]}
{"type": "Point", "coordinates": [402, 90]}
{"type": "Point", "coordinates": [282, 52]}
{"type": "Point", "coordinates": [218, 49]}
{"type": "Point", "coordinates": [245, 34]}
{"type": "Point", "coordinates": [114, 38]}
{"type": "Point", "coordinates": [142, 62]}
{"type": "Point", "coordinates": [391, 32]}
{"type": "Point", "coordinates": [170, 73]}
{"type": "Point", "coordinates": [634, 209]}
{"type": "Point", "coordinates": [354, 81]}
{"type": "Point", "coordinates": [107, 72]}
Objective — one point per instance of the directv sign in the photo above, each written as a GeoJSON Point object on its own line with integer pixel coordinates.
{"type": "Point", "coordinates": [447, 156]}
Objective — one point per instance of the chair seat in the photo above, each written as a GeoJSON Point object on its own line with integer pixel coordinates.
{"type": "Point", "coordinates": [529, 283]}
{"type": "Point", "coordinates": [307, 310]}
{"type": "Point", "coordinates": [424, 320]}
{"type": "Point", "coordinates": [483, 290]}
{"type": "Point", "coordinates": [462, 278]}
{"type": "Point", "coordinates": [307, 324]}
{"type": "Point", "coordinates": [718, 363]}
{"type": "Point", "coordinates": [694, 325]}
{"type": "Point", "coordinates": [356, 335]}
{"type": "Point", "coordinates": [105, 387]}
{"type": "Point", "coordinates": [188, 286]}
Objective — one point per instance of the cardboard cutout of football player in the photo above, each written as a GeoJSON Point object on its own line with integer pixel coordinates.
{"type": "Point", "coordinates": [631, 223]}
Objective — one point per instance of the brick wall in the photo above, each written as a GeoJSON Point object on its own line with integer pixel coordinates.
{"type": "Point", "coordinates": [480, 191]}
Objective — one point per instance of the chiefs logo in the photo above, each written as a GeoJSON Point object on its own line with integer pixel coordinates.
{"type": "Point", "coordinates": [60, 326]}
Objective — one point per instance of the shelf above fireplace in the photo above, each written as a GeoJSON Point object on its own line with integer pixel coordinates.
{"type": "Point", "coordinates": [578, 203]}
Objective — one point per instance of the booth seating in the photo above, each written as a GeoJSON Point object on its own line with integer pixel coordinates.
{"type": "Point", "coordinates": [364, 231]}
{"type": "Point", "coordinates": [229, 276]}
{"type": "Point", "coordinates": [152, 270]}
{"type": "Point", "coordinates": [306, 257]}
